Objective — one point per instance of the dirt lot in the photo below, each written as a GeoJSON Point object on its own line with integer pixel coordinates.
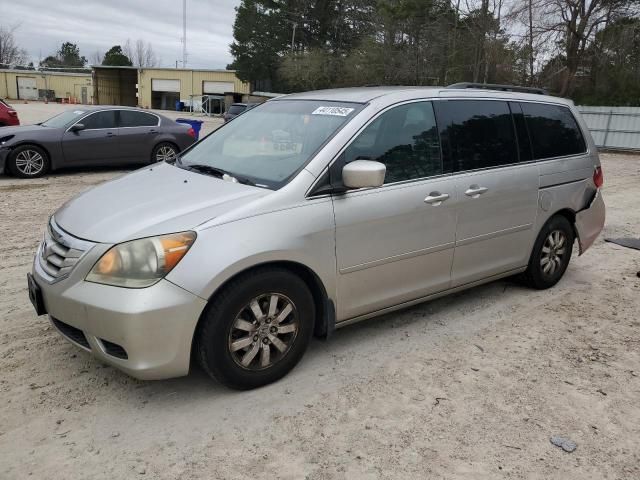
{"type": "Point", "coordinates": [470, 386]}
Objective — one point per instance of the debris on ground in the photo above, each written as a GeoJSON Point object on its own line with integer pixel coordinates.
{"type": "Point", "coordinates": [564, 443]}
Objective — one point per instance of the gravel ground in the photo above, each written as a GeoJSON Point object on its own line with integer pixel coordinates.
{"type": "Point", "coordinates": [469, 386]}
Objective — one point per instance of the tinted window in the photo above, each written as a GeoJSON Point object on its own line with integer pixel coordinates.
{"type": "Point", "coordinates": [405, 139]}
{"type": "Point", "coordinates": [130, 118]}
{"type": "Point", "coordinates": [105, 119]}
{"type": "Point", "coordinates": [553, 131]}
{"type": "Point", "coordinates": [477, 133]}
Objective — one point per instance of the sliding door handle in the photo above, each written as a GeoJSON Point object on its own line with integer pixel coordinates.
{"type": "Point", "coordinates": [475, 191]}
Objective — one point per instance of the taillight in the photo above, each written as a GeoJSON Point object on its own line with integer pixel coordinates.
{"type": "Point", "coordinates": [598, 177]}
{"type": "Point", "coordinates": [13, 113]}
{"type": "Point", "coordinates": [191, 132]}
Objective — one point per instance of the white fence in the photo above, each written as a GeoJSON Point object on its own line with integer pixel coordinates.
{"type": "Point", "coordinates": [615, 128]}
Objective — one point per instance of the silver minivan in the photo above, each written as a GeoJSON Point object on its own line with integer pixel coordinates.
{"type": "Point", "coordinates": [313, 211]}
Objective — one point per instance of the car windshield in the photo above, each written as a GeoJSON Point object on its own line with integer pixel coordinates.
{"type": "Point", "coordinates": [269, 144]}
{"type": "Point", "coordinates": [63, 119]}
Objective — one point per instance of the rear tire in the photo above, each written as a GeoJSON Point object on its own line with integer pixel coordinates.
{"type": "Point", "coordinates": [256, 329]}
{"type": "Point", "coordinates": [551, 253]}
{"type": "Point", "coordinates": [163, 152]}
{"type": "Point", "coordinates": [28, 161]}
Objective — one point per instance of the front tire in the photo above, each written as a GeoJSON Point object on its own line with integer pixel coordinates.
{"type": "Point", "coordinates": [28, 161]}
{"type": "Point", "coordinates": [256, 329]}
{"type": "Point", "coordinates": [163, 152]}
{"type": "Point", "coordinates": [551, 253]}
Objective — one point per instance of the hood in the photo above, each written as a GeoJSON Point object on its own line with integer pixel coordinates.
{"type": "Point", "coordinates": [22, 130]}
{"type": "Point", "coordinates": [151, 201]}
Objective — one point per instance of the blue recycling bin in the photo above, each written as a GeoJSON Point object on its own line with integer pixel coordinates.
{"type": "Point", "coordinates": [179, 106]}
{"type": "Point", "coordinates": [195, 124]}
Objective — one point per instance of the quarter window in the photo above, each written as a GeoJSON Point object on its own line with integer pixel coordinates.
{"type": "Point", "coordinates": [131, 118]}
{"type": "Point", "coordinates": [477, 133]}
{"type": "Point", "coordinates": [553, 130]}
{"type": "Point", "coordinates": [106, 119]}
{"type": "Point", "coordinates": [405, 139]}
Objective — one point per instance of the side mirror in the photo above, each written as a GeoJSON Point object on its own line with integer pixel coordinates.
{"type": "Point", "coordinates": [363, 174]}
{"type": "Point", "coordinates": [77, 127]}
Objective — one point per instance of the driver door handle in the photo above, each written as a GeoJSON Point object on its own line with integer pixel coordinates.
{"type": "Point", "coordinates": [111, 134]}
{"type": "Point", "coordinates": [436, 198]}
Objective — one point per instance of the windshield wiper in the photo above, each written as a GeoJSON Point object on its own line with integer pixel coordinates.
{"type": "Point", "coordinates": [218, 172]}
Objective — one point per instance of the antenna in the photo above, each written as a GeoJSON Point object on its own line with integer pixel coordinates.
{"type": "Point", "coordinates": [184, 33]}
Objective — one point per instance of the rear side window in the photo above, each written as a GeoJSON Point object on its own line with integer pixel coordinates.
{"type": "Point", "coordinates": [405, 139]}
{"type": "Point", "coordinates": [131, 118]}
{"type": "Point", "coordinates": [477, 133]}
{"type": "Point", "coordinates": [106, 119]}
{"type": "Point", "coordinates": [553, 131]}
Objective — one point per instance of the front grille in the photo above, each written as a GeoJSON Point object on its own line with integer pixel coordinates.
{"type": "Point", "coordinates": [59, 252]}
{"type": "Point", "coordinates": [114, 349]}
{"type": "Point", "coordinates": [72, 333]}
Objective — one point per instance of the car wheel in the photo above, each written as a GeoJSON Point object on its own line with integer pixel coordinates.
{"type": "Point", "coordinates": [256, 329]}
{"type": "Point", "coordinates": [551, 253]}
{"type": "Point", "coordinates": [163, 152]}
{"type": "Point", "coordinates": [28, 161]}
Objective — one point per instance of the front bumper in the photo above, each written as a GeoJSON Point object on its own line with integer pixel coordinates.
{"type": "Point", "coordinates": [153, 327]}
{"type": "Point", "coordinates": [4, 154]}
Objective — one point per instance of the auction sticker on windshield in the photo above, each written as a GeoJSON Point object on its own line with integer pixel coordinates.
{"type": "Point", "coordinates": [335, 111]}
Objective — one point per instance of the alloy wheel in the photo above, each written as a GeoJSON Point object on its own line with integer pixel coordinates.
{"type": "Point", "coordinates": [29, 162]}
{"type": "Point", "coordinates": [165, 153]}
{"type": "Point", "coordinates": [553, 252]}
{"type": "Point", "coordinates": [263, 331]}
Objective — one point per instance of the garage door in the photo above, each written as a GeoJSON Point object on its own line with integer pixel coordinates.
{"type": "Point", "coordinates": [27, 89]}
{"type": "Point", "coordinates": [158, 85]}
{"type": "Point", "coordinates": [217, 87]}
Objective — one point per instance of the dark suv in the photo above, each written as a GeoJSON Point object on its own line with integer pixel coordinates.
{"type": "Point", "coordinates": [237, 109]}
{"type": "Point", "coordinates": [8, 116]}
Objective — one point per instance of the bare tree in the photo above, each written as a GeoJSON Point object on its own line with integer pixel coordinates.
{"type": "Point", "coordinates": [141, 53]}
{"type": "Point", "coordinates": [573, 25]}
{"type": "Point", "coordinates": [96, 58]}
{"type": "Point", "coordinates": [10, 53]}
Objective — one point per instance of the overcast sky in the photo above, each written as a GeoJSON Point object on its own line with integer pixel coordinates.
{"type": "Point", "coordinates": [99, 24]}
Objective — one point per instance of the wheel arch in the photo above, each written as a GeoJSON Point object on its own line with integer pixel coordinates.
{"type": "Point", "coordinates": [324, 306]}
{"type": "Point", "coordinates": [24, 143]}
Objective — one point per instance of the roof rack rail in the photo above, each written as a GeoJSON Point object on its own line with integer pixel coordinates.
{"type": "Point", "coordinates": [504, 88]}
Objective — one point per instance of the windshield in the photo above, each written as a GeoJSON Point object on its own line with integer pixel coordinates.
{"type": "Point", "coordinates": [270, 143]}
{"type": "Point", "coordinates": [63, 119]}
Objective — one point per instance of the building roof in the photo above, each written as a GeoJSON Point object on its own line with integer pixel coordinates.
{"type": "Point", "coordinates": [116, 67]}
{"type": "Point", "coordinates": [44, 72]}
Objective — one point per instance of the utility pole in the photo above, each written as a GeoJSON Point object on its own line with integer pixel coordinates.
{"type": "Point", "coordinates": [184, 33]}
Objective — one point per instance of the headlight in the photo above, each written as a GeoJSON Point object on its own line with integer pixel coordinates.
{"type": "Point", "coordinates": [141, 263]}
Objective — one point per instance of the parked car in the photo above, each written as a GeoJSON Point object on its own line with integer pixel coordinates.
{"type": "Point", "coordinates": [315, 211]}
{"type": "Point", "coordinates": [91, 136]}
{"type": "Point", "coordinates": [8, 116]}
{"type": "Point", "coordinates": [237, 109]}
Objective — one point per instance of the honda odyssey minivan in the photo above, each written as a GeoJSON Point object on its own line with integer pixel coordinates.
{"type": "Point", "coordinates": [313, 211]}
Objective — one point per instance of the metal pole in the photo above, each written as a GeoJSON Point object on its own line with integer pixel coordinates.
{"type": "Point", "coordinates": [184, 33]}
{"type": "Point", "coordinates": [293, 35]}
{"type": "Point", "coordinates": [606, 132]}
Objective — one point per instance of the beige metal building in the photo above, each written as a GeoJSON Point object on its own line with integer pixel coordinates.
{"type": "Point", "coordinates": [38, 85]}
{"type": "Point", "coordinates": [160, 88]}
